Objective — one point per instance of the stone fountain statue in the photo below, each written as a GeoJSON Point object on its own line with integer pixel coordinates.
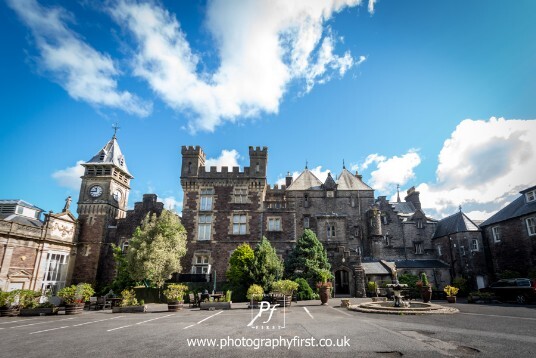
{"type": "Point", "coordinates": [397, 288]}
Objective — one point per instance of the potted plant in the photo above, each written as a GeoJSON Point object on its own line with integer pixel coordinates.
{"type": "Point", "coordinates": [254, 294]}
{"type": "Point", "coordinates": [129, 303]}
{"type": "Point", "coordinates": [451, 292]}
{"type": "Point", "coordinates": [372, 288]}
{"type": "Point", "coordinates": [75, 297]}
{"type": "Point", "coordinates": [7, 307]}
{"type": "Point", "coordinates": [285, 288]}
{"type": "Point", "coordinates": [175, 294]}
{"type": "Point", "coordinates": [426, 290]}
{"type": "Point", "coordinates": [324, 286]}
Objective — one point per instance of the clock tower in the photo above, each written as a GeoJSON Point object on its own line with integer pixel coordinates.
{"type": "Point", "coordinates": [102, 201]}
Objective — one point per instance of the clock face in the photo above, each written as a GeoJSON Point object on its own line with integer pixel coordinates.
{"type": "Point", "coordinates": [95, 191]}
{"type": "Point", "coordinates": [117, 195]}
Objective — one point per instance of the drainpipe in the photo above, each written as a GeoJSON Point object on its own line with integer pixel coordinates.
{"type": "Point", "coordinates": [452, 271]}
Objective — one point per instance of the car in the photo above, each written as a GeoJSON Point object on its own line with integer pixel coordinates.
{"type": "Point", "coordinates": [521, 290]}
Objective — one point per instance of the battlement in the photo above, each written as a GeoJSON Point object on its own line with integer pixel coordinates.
{"type": "Point", "coordinates": [277, 188]}
{"type": "Point", "coordinates": [192, 151]}
{"type": "Point", "coordinates": [257, 151]}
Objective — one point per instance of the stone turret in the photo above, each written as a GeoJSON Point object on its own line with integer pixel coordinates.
{"type": "Point", "coordinates": [258, 161]}
{"type": "Point", "coordinates": [192, 159]}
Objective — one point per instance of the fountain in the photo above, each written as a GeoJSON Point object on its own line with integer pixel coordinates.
{"type": "Point", "coordinates": [399, 306]}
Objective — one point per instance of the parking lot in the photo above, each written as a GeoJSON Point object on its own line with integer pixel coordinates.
{"type": "Point", "coordinates": [305, 329]}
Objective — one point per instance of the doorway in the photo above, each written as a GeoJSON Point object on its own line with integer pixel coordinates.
{"type": "Point", "coordinates": [342, 284]}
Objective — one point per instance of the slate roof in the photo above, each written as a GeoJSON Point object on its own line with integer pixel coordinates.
{"type": "Point", "coordinates": [19, 219]}
{"type": "Point", "coordinates": [111, 154]}
{"type": "Point", "coordinates": [329, 184]}
{"type": "Point", "coordinates": [19, 202]}
{"type": "Point", "coordinates": [420, 264]}
{"type": "Point", "coordinates": [348, 181]}
{"type": "Point", "coordinates": [516, 208]}
{"type": "Point", "coordinates": [405, 207]}
{"type": "Point", "coordinates": [306, 181]}
{"type": "Point", "coordinates": [375, 268]}
{"type": "Point", "coordinates": [458, 222]}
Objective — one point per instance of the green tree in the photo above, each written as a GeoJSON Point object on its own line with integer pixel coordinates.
{"type": "Point", "coordinates": [267, 267]}
{"type": "Point", "coordinates": [240, 263]}
{"type": "Point", "coordinates": [156, 248]}
{"type": "Point", "coordinates": [122, 278]}
{"type": "Point", "coordinates": [307, 259]}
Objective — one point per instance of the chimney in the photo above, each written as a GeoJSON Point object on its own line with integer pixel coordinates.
{"type": "Point", "coordinates": [413, 197]}
{"type": "Point", "coordinates": [288, 179]}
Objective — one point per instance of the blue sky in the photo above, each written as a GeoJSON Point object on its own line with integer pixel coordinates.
{"type": "Point", "coordinates": [436, 95]}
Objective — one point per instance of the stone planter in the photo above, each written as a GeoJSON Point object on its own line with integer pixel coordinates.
{"type": "Point", "coordinates": [215, 305]}
{"type": "Point", "coordinates": [175, 306]}
{"type": "Point", "coordinates": [254, 304]}
{"type": "Point", "coordinates": [130, 309]}
{"type": "Point", "coordinates": [9, 311]}
{"type": "Point", "coordinates": [74, 308]}
{"type": "Point", "coordinates": [39, 311]}
{"type": "Point", "coordinates": [426, 293]}
{"type": "Point", "coordinates": [451, 299]}
{"type": "Point", "coordinates": [283, 301]}
{"type": "Point", "coordinates": [324, 295]}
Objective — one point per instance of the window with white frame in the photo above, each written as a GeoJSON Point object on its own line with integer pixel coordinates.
{"type": "Point", "coordinates": [531, 225]}
{"type": "Point", "coordinates": [204, 225]}
{"type": "Point", "coordinates": [306, 222]}
{"type": "Point", "coordinates": [239, 224]}
{"type": "Point", "coordinates": [439, 253]}
{"type": "Point", "coordinates": [55, 272]}
{"type": "Point", "coordinates": [496, 234]}
{"type": "Point", "coordinates": [206, 199]}
{"type": "Point", "coordinates": [124, 247]}
{"type": "Point", "coordinates": [530, 196]}
{"type": "Point", "coordinates": [330, 230]}
{"type": "Point", "coordinates": [474, 245]}
{"type": "Point", "coordinates": [240, 195]}
{"type": "Point", "coordinates": [274, 224]}
{"type": "Point", "coordinates": [201, 264]}
{"type": "Point", "coordinates": [418, 248]}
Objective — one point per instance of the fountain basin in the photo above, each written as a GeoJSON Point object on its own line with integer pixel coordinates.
{"type": "Point", "coordinates": [415, 308]}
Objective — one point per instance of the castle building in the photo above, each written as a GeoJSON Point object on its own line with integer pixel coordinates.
{"type": "Point", "coordinates": [35, 254]}
{"type": "Point", "coordinates": [225, 208]}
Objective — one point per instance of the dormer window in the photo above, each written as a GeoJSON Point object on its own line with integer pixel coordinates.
{"type": "Point", "coordinates": [102, 156]}
{"type": "Point", "coordinates": [420, 224]}
{"type": "Point", "coordinates": [122, 161]}
{"type": "Point", "coordinates": [530, 196]}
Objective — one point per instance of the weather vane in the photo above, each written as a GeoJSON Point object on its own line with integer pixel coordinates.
{"type": "Point", "coordinates": [115, 126]}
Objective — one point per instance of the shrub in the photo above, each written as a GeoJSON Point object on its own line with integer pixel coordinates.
{"type": "Point", "coordinates": [285, 287]}
{"type": "Point", "coordinates": [255, 292]}
{"type": "Point", "coordinates": [228, 294]}
{"type": "Point", "coordinates": [372, 286]}
{"type": "Point", "coordinates": [461, 283]}
{"type": "Point", "coordinates": [305, 292]}
{"type": "Point", "coordinates": [28, 298]}
{"type": "Point", "coordinates": [129, 298]}
{"type": "Point", "coordinates": [76, 293]}
{"type": "Point", "coordinates": [175, 292]}
{"type": "Point", "coordinates": [451, 290]}
{"type": "Point", "coordinates": [4, 299]}
{"type": "Point", "coordinates": [424, 279]}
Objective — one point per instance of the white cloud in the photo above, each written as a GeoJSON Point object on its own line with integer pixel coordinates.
{"type": "Point", "coordinates": [171, 203]}
{"type": "Point", "coordinates": [391, 171]}
{"type": "Point", "coordinates": [482, 166]}
{"type": "Point", "coordinates": [262, 46]}
{"type": "Point", "coordinates": [85, 73]}
{"type": "Point", "coordinates": [227, 158]}
{"type": "Point", "coordinates": [70, 177]}
{"type": "Point", "coordinates": [371, 5]}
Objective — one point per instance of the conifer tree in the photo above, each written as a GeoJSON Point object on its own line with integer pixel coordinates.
{"type": "Point", "coordinates": [307, 258]}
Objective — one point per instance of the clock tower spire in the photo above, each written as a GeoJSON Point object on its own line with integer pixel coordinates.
{"type": "Point", "coordinates": [102, 201]}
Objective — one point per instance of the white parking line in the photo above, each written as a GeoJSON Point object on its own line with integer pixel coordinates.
{"type": "Point", "coordinates": [101, 320]}
{"type": "Point", "coordinates": [130, 325]}
{"type": "Point", "coordinates": [51, 329]}
{"type": "Point", "coordinates": [309, 313]}
{"type": "Point", "coordinates": [204, 319]}
{"type": "Point", "coordinates": [33, 324]}
{"type": "Point", "coordinates": [20, 320]}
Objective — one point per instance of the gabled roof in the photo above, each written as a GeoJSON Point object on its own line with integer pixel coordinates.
{"type": "Point", "coordinates": [516, 208]}
{"type": "Point", "coordinates": [329, 184]}
{"type": "Point", "coordinates": [306, 181]}
{"type": "Point", "coordinates": [24, 220]}
{"type": "Point", "coordinates": [110, 154]}
{"type": "Point", "coordinates": [403, 207]}
{"type": "Point", "coordinates": [458, 222]}
{"type": "Point", "coordinates": [348, 181]}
